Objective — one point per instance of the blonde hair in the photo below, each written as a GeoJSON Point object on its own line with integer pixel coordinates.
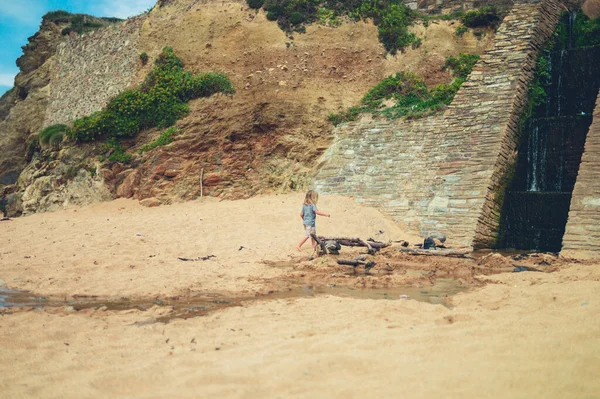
{"type": "Point", "coordinates": [312, 197]}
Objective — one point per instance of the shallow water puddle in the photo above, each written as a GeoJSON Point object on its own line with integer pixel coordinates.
{"type": "Point", "coordinates": [202, 304]}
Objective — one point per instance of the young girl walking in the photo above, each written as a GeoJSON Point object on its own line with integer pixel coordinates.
{"type": "Point", "coordinates": [309, 215]}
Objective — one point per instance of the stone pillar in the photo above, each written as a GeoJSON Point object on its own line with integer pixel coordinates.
{"type": "Point", "coordinates": [486, 232]}
{"type": "Point", "coordinates": [583, 226]}
{"type": "Point", "coordinates": [448, 172]}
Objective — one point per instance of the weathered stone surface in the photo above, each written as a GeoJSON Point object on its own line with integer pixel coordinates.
{"type": "Point", "coordinates": [51, 192]}
{"type": "Point", "coordinates": [583, 231]}
{"type": "Point", "coordinates": [130, 180]}
{"type": "Point", "coordinates": [22, 111]}
{"type": "Point", "coordinates": [447, 172]}
{"type": "Point", "coordinates": [90, 69]}
{"type": "Point", "coordinates": [150, 202]}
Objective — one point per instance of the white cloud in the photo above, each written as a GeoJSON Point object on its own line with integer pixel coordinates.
{"type": "Point", "coordinates": [122, 9]}
{"type": "Point", "coordinates": [7, 79]}
{"type": "Point", "coordinates": [27, 12]}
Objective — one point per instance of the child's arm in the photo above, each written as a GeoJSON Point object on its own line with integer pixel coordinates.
{"type": "Point", "coordinates": [322, 214]}
{"type": "Point", "coordinates": [302, 215]}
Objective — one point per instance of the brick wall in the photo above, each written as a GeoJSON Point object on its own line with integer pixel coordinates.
{"type": "Point", "coordinates": [447, 172]}
{"type": "Point", "coordinates": [90, 69]}
{"type": "Point", "coordinates": [583, 225]}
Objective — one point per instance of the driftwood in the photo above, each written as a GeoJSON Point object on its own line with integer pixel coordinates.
{"type": "Point", "coordinates": [356, 242]}
{"type": "Point", "coordinates": [459, 253]}
{"type": "Point", "coordinates": [207, 257]}
{"type": "Point", "coordinates": [320, 243]}
{"type": "Point", "coordinates": [351, 262]}
{"type": "Point", "coordinates": [357, 262]}
{"type": "Point", "coordinates": [372, 246]}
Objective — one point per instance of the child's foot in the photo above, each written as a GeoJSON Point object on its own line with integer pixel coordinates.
{"type": "Point", "coordinates": [299, 249]}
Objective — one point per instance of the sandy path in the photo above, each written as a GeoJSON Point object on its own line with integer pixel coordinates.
{"type": "Point", "coordinates": [523, 335]}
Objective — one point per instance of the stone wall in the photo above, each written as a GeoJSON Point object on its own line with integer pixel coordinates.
{"type": "Point", "coordinates": [448, 172]}
{"type": "Point", "coordinates": [90, 69]}
{"type": "Point", "coordinates": [583, 227]}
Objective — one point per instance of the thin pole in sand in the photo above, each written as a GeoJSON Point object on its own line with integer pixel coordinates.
{"type": "Point", "coordinates": [201, 180]}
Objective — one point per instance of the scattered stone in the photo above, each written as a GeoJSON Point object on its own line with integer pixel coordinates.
{"type": "Point", "coordinates": [150, 202]}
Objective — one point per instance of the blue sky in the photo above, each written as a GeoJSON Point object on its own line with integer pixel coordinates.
{"type": "Point", "coordinates": [20, 19]}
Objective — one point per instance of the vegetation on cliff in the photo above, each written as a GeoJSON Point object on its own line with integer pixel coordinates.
{"type": "Point", "coordinates": [158, 102]}
{"type": "Point", "coordinates": [575, 31]}
{"type": "Point", "coordinates": [406, 95]}
{"type": "Point", "coordinates": [486, 16]}
{"type": "Point", "coordinates": [392, 17]}
{"type": "Point", "coordinates": [53, 135]}
{"type": "Point", "coordinates": [585, 31]}
{"type": "Point", "coordinates": [78, 23]}
{"type": "Point", "coordinates": [165, 138]}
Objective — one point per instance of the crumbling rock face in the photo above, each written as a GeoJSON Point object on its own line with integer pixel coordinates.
{"type": "Point", "coordinates": [22, 111]}
{"type": "Point", "coordinates": [70, 179]}
{"type": "Point", "coordinates": [265, 138]}
{"type": "Point", "coordinates": [41, 47]}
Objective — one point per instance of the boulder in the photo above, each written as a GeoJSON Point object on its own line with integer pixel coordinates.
{"type": "Point", "coordinates": [150, 202]}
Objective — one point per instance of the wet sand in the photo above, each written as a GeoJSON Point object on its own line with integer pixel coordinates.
{"type": "Point", "coordinates": [518, 335]}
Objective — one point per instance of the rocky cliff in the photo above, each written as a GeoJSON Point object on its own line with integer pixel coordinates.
{"type": "Point", "coordinates": [264, 138]}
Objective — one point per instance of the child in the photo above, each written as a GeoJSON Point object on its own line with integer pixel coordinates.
{"type": "Point", "coordinates": [309, 214]}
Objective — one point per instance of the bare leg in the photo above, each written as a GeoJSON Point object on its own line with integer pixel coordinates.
{"type": "Point", "coordinates": [302, 241]}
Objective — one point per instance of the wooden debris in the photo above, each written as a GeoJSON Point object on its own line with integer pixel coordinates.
{"type": "Point", "coordinates": [360, 261]}
{"type": "Point", "coordinates": [351, 262]}
{"type": "Point", "coordinates": [458, 253]}
{"type": "Point", "coordinates": [207, 257]}
{"type": "Point", "coordinates": [356, 242]}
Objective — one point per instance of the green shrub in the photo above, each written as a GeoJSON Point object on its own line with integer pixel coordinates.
{"type": "Point", "coordinates": [53, 135]}
{"type": "Point", "coordinates": [144, 58]}
{"type": "Point", "coordinates": [585, 30]}
{"type": "Point", "coordinates": [256, 4]}
{"type": "Point", "coordinates": [486, 16]}
{"type": "Point", "coordinates": [402, 86]}
{"type": "Point", "coordinates": [32, 148]}
{"type": "Point", "coordinates": [462, 66]}
{"type": "Point", "coordinates": [164, 139]}
{"type": "Point", "coordinates": [297, 18]}
{"type": "Point", "coordinates": [117, 152]}
{"type": "Point", "coordinates": [58, 16]}
{"type": "Point", "coordinates": [392, 17]}
{"type": "Point", "coordinates": [79, 23]}
{"type": "Point", "coordinates": [409, 95]}
{"type": "Point", "coordinates": [461, 30]}
{"type": "Point", "coordinates": [346, 116]}
{"type": "Point", "coordinates": [158, 102]}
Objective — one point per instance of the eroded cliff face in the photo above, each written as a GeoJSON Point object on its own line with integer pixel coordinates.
{"type": "Point", "coordinates": [22, 110]}
{"type": "Point", "coordinates": [267, 137]}
{"type": "Point", "coordinates": [269, 134]}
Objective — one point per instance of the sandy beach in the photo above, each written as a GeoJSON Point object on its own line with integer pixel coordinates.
{"type": "Point", "coordinates": [515, 335]}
